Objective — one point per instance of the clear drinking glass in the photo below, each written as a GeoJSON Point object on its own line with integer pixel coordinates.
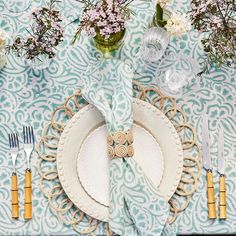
{"type": "Point", "coordinates": [154, 44]}
{"type": "Point", "coordinates": [175, 72]}
{"type": "Point", "coordinates": [17, 6]}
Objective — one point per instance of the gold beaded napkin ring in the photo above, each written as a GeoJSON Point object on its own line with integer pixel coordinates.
{"type": "Point", "coordinates": [120, 144]}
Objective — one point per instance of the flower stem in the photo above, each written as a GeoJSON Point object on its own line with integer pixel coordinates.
{"type": "Point", "coordinates": [159, 16]}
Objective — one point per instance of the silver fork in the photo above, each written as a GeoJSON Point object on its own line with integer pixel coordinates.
{"type": "Point", "coordinates": [14, 149]}
{"type": "Point", "coordinates": [28, 136]}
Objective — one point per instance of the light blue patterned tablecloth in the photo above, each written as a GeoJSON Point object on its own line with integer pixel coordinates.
{"type": "Point", "coordinates": [29, 96]}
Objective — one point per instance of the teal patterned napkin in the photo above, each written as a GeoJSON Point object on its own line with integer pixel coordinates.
{"type": "Point", "coordinates": [136, 207]}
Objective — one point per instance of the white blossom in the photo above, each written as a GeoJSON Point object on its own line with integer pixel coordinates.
{"type": "Point", "coordinates": [178, 24]}
{"type": "Point", "coordinates": [3, 37]}
{"type": "Point", "coordinates": [163, 3]}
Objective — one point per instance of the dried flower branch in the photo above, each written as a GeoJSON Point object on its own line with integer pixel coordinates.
{"type": "Point", "coordinates": [217, 19]}
{"type": "Point", "coordinates": [44, 35]}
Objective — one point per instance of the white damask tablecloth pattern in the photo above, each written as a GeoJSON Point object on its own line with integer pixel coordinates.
{"type": "Point", "coordinates": [29, 96]}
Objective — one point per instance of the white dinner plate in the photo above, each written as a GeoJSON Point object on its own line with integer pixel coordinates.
{"type": "Point", "coordinates": [93, 161]}
{"type": "Point", "coordinates": [89, 119]}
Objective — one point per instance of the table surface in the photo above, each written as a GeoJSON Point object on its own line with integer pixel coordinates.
{"type": "Point", "coordinates": [29, 96]}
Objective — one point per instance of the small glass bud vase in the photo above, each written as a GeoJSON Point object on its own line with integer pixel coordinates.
{"type": "Point", "coordinates": [160, 17]}
{"type": "Point", "coordinates": [110, 44]}
{"type": "Point", "coordinates": [2, 58]}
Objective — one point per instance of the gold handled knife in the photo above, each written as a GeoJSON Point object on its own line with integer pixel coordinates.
{"type": "Point", "coordinates": [208, 168]}
{"type": "Point", "coordinates": [221, 171]}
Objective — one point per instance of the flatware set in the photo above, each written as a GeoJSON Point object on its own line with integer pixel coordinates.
{"type": "Point", "coordinates": [209, 175]}
{"type": "Point", "coordinates": [28, 140]}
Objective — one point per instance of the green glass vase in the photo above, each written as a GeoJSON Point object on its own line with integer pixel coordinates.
{"type": "Point", "coordinates": [111, 44]}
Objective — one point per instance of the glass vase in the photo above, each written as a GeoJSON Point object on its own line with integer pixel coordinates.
{"type": "Point", "coordinates": [164, 15]}
{"type": "Point", "coordinates": [111, 44]}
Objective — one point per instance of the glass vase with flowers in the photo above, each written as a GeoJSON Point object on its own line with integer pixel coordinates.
{"type": "Point", "coordinates": [105, 22]}
{"type": "Point", "coordinates": [165, 24]}
{"type": "Point", "coordinates": [46, 33]}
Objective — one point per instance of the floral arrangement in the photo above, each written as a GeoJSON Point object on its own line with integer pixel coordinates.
{"type": "Point", "coordinates": [217, 19]}
{"type": "Point", "coordinates": [177, 23]}
{"type": "Point", "coordinates": [45, 35]}
{"type": "Point", "coordinates": [104, 18]}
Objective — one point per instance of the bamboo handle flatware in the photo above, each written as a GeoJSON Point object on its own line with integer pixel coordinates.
{"type": "Point", "coordinates": [14, 148]}
{"type": "Point", "coordinates": [207, 165]}
{"type": "Point", "coordinates": [28, 136]}
{"type": "Point", "coordinates": [28, 195]}
{"type": "Point", "coordinates": [221, 171]}
{"type": "Point", "coordinates": [222, 200]}
{"type": "Point", "coordinates": [220, 168]}
{"type": "Point", "coordinates": [14, 194]}
{"type": "Point", "coordinates": [211, 196]}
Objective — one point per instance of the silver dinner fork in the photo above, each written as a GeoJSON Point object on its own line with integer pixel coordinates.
{"type": "Point", "coordinates": [14, 149]}
{"type": "Point", "coordinates": [28, 136]}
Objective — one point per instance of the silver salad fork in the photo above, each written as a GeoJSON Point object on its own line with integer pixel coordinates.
{"type": "Point", "coordinates": [14, 149]}
{"type": "Point", "coordinates": [28, 136]}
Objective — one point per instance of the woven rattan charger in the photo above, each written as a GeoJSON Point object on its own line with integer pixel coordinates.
{"type": "Point", "coordinates": [47, 149]}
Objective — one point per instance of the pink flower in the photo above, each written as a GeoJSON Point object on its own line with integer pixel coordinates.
{"type": "Point", "coordinates": [90, 32]}
{"type": "Point", "coordinates": [106, 16]}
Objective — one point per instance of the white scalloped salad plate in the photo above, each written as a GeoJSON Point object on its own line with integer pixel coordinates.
{"type": "Point", "coordinates": [93, 162]}
{"type": "Point", "coordinates": [82, 126]}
